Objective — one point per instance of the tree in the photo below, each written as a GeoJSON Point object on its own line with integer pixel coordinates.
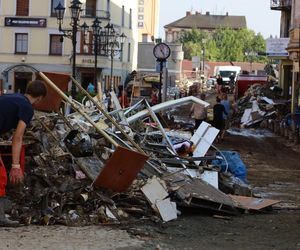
{"type": "Point", "coordinates": [224, 44]}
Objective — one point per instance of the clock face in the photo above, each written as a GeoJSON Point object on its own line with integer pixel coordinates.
{"type": "Point", "coordinates": [161, 51]}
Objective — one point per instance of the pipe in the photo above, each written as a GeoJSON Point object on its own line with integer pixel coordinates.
{"type": "Point", "coordinates": [79, 110]}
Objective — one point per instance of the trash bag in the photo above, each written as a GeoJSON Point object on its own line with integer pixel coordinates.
{"type": "Point", "coordinates": [235, 164]}
{"type": "Point", "coordinates": [79, 145]}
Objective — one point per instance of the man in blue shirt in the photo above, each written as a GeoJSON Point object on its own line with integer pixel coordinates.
{"type": "Point", "coordinates": [16, 112]}
{"type": "Point", "coordinates": [226, 103]}
{"type": "Point", "coordinates": [90, 88]}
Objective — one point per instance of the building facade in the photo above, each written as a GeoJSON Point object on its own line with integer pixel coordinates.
{"type": "Point", "coordinates": [207, 22]}
{"type": "Point", "coordinates": [30, 41]}
{"type": "Point", "coordinates": [289, 66]}
{"type": "Point", "coordinates": [147, 63]}
{"type": "Point", "coordinates": [148, 19]}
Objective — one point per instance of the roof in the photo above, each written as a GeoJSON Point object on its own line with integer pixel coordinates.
{"type": "Point", "coordinates": [207, 21]}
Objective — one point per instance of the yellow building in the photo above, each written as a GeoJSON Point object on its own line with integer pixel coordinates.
{"type": "Point", "coordinates": [148, 19]}
{"type": "Point", "coordinates": [30, 41]}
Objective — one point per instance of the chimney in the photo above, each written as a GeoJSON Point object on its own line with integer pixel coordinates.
{"type": "Point", "coordinates": [207, 13]}
{"type": "Point", "coordinates": [188, 13]}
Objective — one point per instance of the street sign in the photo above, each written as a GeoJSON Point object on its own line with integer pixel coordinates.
{"type": "Point", "coordinates": [276, 47]}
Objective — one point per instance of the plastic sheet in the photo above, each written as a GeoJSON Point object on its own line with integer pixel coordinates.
{"type": "Point", "coordinates": [235, 164]}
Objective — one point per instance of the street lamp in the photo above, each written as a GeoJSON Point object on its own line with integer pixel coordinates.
{"type": "Point", "coordinates": [115, 43]}
{"type": "Point", "coordinates": [75, 10]}
{"type": "Point", "coordinates": [98, 42]}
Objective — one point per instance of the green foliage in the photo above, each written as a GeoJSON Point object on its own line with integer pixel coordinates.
{"type": "Point", "coordinates": [224, 45]}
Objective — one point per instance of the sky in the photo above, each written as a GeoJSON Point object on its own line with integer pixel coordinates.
{"type": "Point", "coordinates": [259, 16]}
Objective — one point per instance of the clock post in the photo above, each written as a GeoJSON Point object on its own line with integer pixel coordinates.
{"type": "Point", "coordinates": [161, 67]}
{"type": "Point", "coordinates": [162, 52]}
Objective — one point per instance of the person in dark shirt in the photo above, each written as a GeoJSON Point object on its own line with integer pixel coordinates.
{"type": "Point", "coordinates": [218, 118]}
{"type": "Point", "coordinates": [220, 84]}
{"type": "Point", "coordinates": [16, 112]}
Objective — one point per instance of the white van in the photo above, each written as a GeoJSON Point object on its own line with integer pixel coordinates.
{"type": "Point", "coordinates": [226, 71]}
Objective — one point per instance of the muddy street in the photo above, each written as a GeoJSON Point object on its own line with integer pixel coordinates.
{"type": "Point", "coordinates": [273, 171]}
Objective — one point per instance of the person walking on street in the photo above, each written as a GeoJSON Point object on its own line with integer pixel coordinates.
{"type": "Point", "coordinates": [219, 84]}
{"type": "Point", "coordinates": [218, 118]}
{"type": "Point", "coordinates": [226, 103]}
{"type": "Point", "coordinates": [199, 112]}
{"type": "Point", "coordinates": [231, 82]}
{"type": "Point", "coordinates": [16, 112]}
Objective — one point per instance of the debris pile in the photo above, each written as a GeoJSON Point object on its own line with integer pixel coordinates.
{"type": "Point", "coordinates": [91, 167]}
{"type": "Point", "coordinates": [259, 105]}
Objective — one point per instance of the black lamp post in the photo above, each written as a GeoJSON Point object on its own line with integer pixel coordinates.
{"type": "Point", "coordinates": [115, 43]}
{"type": "Point", "coordinates": [75, 10]}
{"type": "Point", "coordinates": [97, 43]}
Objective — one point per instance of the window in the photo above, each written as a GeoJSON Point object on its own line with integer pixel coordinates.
{"type": "Point", "coordinates": [108, 6]}
{"type": "Point", "coordinates": [123, 16]}
{"type": "Point", "coordinates": [145, 38]}
{"type": "Point", "coordinates": [21, 43]}
{"type": "Point", "coordinates": [22, 8]}
{"type": "Point", "coordinates": [130, 19]}
{"type": "Point", "coordinates": [89, 8]}
{"type": "Point", "coordinates": [54, 4]}
{"type": "Point", "coordinates": [129, 52]}
{"type": "Point", "coordinates": [55, 45]}
{"type": "Point", "coordinates": [122, 51]}
{"type": "Point", "coordinates": [86, 42]}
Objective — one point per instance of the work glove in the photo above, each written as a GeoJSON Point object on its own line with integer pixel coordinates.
{"type": "Point", "coordinates": [16, 175]}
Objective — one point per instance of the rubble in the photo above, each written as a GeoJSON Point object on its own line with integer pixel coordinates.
{"type": "Point", "coordinates": [92, 167]}
{"type": "Point", "coordinates": [262, 106]}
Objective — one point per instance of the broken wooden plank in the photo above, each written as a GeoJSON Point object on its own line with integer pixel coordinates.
{"type": "Point", "coordinates": [252, 203]}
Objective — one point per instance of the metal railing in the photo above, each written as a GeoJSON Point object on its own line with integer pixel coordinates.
{"type": "Point", "coordinates": [281, 4]}
{"type": "Point", "coordinates": [92, 13]}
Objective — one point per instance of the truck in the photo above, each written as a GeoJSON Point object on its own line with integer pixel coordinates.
{"type": "Point", "coordinates": [243, 82]}
{"type": "Point", "coordinates": [226, 71]}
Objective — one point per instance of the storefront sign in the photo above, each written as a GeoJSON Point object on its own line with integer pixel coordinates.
{"type": "Point", "coordinates": [25, 22]}
{"type": "Point", "coordinates": [88, 61]}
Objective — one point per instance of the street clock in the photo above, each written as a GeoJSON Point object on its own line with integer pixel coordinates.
{"type": "Point", "coordinates": [161, 51]}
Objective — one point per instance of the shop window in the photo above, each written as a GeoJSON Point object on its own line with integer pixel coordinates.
{"type": "Point", "coordinates": [21, 43]}
{"type": "Point", "coordinates": [55, 45]}
{"type": "Point", "coordinates": [22, 8]}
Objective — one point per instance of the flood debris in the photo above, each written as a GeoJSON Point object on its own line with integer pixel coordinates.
{"type": "Point", "coordinates": [92, 166]}
{"type": "Point", "coordinates": [259, 106]}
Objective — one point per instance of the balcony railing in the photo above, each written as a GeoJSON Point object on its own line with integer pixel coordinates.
{"type": "Point", "coordinates": [90, 12]}
{"type": "Point", "coordinates": [281, 4]}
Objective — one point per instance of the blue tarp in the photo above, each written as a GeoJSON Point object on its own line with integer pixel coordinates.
{"type": "Point", "coordinates": [235, 164]}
